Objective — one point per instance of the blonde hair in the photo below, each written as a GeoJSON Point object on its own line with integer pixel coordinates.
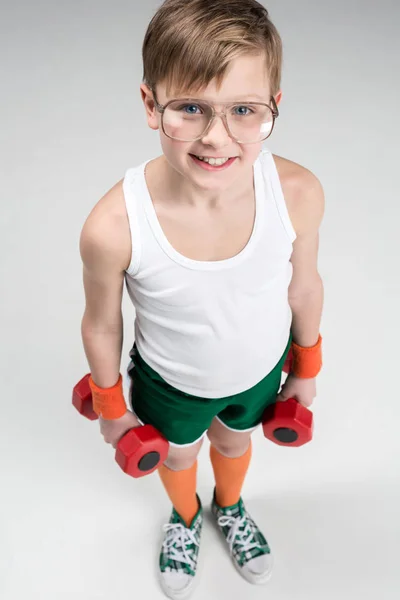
{"type": "Point", "coordinates": [188, 43]}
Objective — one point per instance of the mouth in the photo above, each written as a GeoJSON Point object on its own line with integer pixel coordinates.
{"type": "Point", "coordinates": [213, 163]}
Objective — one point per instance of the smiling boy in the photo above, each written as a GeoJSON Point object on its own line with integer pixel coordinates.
{"type": "Point", "coordinates": [217, 242]}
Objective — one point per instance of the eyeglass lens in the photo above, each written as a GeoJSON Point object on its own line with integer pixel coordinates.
{"type": "Point", "coordinates": [187, 121]}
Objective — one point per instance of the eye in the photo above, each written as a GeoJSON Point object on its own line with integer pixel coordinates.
{"type": "Point", "coordinates": [190, 108]}
{"type": "Point", "coordinates": [241, 107]}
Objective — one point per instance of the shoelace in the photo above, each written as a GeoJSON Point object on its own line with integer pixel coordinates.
{"type": "Point", "coordinates": [178, 537]}
{"type": "Point", "coordinates": [245, 537]}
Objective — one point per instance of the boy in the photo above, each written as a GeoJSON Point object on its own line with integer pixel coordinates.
{"type": "Point", "coordinates": [217, 241]}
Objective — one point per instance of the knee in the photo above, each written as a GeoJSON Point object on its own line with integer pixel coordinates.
{"type": "Point", "coordinates": [176, 463]}
{"type": "Point", "coordinates": [182, 459]}
{"type": "Point", "coordinates": [231, 448]}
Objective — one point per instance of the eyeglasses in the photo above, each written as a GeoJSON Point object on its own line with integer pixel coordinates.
{"type": "Point", "coordinates": [189, 119]}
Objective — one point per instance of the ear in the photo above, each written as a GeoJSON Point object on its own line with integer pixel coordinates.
{"type": "Point", "coordinates": [278, 97]}
{"type": "Point", "coordinates": [150, 107]}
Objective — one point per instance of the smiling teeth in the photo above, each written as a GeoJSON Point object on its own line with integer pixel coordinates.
{"type": "Point", "coordinates": [213, 161]}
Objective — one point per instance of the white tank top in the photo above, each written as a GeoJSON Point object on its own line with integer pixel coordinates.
{"type": "Point", "coordinates": [211, 328]}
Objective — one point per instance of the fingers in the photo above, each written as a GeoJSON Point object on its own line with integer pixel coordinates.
{"type": "Point", "coordinates": [282, 397]}
{"type": "Point", "coordinates": [306, 402]}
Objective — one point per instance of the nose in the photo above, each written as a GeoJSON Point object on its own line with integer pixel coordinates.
{"type": "Point", "coordinates": [218, 134]}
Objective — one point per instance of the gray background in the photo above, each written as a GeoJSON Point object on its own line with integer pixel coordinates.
{"type": "Point", "coordinates": [72, 121]}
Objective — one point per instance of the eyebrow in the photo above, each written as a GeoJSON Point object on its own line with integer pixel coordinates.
{"type": "Point", "coordinates": [247, 96]}
{"type": "Point", "coordinates": [236, 99]}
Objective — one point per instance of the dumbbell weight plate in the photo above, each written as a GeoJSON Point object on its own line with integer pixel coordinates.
{"type": "Point", "coordinates": [288, 423]}
{"type": "Point", "coordinates": [141, 451]}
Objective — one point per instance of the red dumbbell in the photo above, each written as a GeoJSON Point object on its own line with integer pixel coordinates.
{"type": "Point", "coordinates": [288, 423]}
{"type": "Point", "coordinates": [140, 451]}
{"type": "Point", "coordinates": [288, 362]}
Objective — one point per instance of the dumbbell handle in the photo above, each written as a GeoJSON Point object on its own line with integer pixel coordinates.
{"type": "Point", "coordinates": [288, 362]}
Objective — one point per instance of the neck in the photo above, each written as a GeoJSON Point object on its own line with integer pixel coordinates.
{"type": "Point", "coordinates": [185, 191]}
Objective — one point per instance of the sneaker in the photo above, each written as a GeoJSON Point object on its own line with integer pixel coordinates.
{"type": "Point", "coordinates": [179, 555]}
{"type": "Point", "coordinates": [249, 549]}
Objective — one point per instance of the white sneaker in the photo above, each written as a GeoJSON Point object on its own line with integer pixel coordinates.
{"type": "Point", "coordinates": [179, 555]}
{"type": "Point", "coordinates": [248, 548]}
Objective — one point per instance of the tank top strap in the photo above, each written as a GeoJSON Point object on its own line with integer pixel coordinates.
{"type": "Point", "coordinates": [135, 213]}
{"type": "Point", "coordinates": [270, 169]}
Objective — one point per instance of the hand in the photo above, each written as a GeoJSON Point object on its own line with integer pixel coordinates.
{"type": "Point", "coordinates": [113, 430]}
{"type": "Point", "coordinates": [304, 390]}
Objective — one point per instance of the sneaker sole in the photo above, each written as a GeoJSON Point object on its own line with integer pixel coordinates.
{"type": "Point", "coordinates": [254, 579]}
{"type": "Point", "coordinates": [182, 595]}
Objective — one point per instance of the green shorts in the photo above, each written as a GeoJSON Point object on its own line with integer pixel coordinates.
{"type": "Point", "coordinates": [184, 419]}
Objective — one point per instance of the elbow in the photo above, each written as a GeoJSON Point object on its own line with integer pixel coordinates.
{"type": "Point", "coordinates": [96, 325]}
{"type": "Point", "coordinates": [312, 288]}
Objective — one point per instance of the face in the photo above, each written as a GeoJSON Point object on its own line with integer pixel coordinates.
{"type": "Point", "coordinates": [245, 79]}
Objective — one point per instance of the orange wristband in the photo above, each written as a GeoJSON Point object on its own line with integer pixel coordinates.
{"type": "Point", "coordinates": [108, 403]}
{"type": "Point", "coordinates": [307, 362]}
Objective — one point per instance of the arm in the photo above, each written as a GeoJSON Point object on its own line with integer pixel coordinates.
{"type": "Point", "coordinates": [306, 292]}
{"type": "Point", "coordinates": [306, 288]}
{"type": "Point", "coordinates": [105, 251]}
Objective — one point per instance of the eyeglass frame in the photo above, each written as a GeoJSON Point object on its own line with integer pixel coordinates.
{"type": "Point", "coordinates": [162, 107]}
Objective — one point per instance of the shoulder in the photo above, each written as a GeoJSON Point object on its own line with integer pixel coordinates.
{"type": "Point", "coordinates": [303, 193]}
{"type": "Point", "coordinates": [105, 236]}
